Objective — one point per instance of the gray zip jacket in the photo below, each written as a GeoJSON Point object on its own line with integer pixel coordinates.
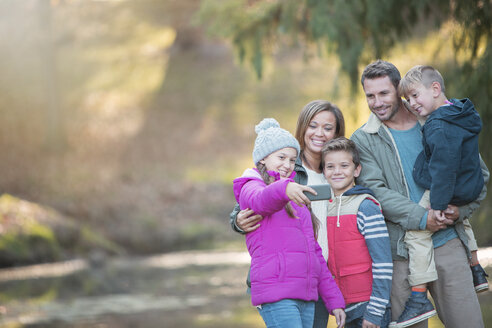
{"type": "Point", "coordinates": [382, 172]}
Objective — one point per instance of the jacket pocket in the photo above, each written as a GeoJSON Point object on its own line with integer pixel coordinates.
{"type": "Point", "coordinates": [265, 268]}
{"type": "Point", "coordinates": [295, 264]}
{"type": "Point", "coordinates": [355, 269]}
{"type": "Point", "coordinates": [357, 278]}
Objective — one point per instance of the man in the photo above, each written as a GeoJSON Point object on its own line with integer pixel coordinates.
{"type": "Point", "coordinates": [389, 143]}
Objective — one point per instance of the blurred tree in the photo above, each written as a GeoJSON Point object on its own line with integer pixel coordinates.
{"type": "Point", "coordinates": [357, 31]}
{"type": "Point", "coordinates": [361, 30]}
{"type": "Point", "coordinates": [55, 136]}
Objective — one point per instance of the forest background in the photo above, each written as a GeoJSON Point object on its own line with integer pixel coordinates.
{"type": "Point", "coordinates": [124, 122]}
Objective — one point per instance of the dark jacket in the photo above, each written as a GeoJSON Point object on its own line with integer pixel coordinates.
{"type": "Point", "coordinates": [449, 165]}
{"type": "Point", "coordinates": [382, 172]}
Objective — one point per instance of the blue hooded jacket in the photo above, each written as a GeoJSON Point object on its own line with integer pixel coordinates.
{"type": "Point", "coordinates": [449, 165]}
{"type": "Point", "coordinates": [359, 190]}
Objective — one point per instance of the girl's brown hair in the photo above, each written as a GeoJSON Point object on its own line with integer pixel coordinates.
{"type": "Point", "coordinates": [288, 208]}
{"type": "Point", "coordinates": [268, 180]}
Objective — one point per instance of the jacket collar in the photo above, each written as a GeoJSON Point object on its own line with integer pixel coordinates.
{"type": "Point", "coordinates": [374, 123]}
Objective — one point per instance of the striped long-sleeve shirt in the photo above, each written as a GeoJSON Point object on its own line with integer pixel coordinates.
{"type": "Point", "coordinates": [371, 225]}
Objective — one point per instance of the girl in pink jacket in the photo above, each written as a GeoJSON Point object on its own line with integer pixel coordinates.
{"type": "Point", "coordinates": [287, 266]}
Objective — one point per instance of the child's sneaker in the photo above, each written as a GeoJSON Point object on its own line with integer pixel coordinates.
{"type": "Point", "coordinates": [417, 308]}
{"type": "Point", "coordinates": [479, 278]}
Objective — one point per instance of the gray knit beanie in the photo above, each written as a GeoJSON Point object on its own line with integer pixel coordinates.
{"type": "Point", "coordinates": [271, 137]}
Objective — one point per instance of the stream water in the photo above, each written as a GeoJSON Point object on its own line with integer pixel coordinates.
{"type": "Point", "coordinates": [185, 289]}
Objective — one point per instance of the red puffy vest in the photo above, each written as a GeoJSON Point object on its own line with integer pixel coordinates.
{"type": "Point", "coordinates": [349, 259]}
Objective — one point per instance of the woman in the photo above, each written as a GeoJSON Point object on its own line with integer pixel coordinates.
{"type": "Point", "coordinates": [319, 122]}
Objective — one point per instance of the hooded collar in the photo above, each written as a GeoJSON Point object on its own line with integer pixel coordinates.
{"type": "Point", "coordinates": [459, 112]}
{"type": "Point", "coordinates": [355, 190]}
{"type": "Point", "coordinates": [254, 173]}
{"type": "Point", "coordinates": [344, 197]}
{"type": "Point", "coordinates": [358, 190]}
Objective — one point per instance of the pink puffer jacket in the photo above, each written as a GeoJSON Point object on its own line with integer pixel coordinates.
{"type": "Point", "coordinates": [286, 260]}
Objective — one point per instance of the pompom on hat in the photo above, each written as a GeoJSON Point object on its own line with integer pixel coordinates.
{"type": "Point", "coordinates": [271, 137]}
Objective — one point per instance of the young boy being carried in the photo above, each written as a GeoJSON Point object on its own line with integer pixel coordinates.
{"type": "Point", "coordinates": [449, 168]}
{"type": "Point", "coordinates": [358, 240]}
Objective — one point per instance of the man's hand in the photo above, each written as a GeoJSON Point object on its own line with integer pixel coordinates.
{"type": "Point", "coordinates": [368, 324]}
{"type": "Point", "coordinates": [452, 212]}
{"type": "Point", "coordinates": [340, 317]}
{"type": "Point", "coordinates": [433, 224]}
{"type": "Point", "coordinates": [248, 221]}
{"type": "Point", "coordinates": [295, 193]}
{"type": "Point", "coordinates": [440, 216]}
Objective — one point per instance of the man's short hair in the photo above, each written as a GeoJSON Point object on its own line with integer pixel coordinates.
{"type": "Point", "coordinates": [381, 68]}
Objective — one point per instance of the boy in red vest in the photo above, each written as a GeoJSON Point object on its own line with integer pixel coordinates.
{"type": "Point", "coordinates": [358, 240]}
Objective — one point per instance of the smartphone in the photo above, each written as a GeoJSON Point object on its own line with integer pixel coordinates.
{"type": "Point", "coordinates": [323, 190]}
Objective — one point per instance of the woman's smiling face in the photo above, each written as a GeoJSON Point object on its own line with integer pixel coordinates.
{"type": "Point", "coordinates": [321, 129]}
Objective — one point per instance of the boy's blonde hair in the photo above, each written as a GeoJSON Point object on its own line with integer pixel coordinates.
{"type": "Point", "coordinates": [420, 74]}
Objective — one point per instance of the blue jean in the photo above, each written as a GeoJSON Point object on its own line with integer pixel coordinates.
{"type": "Point", "coordinates": [320, 314]}
{"type": "Point", "coordinates": [288, 313]}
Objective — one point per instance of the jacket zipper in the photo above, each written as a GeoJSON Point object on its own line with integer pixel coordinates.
{"type": "Point", "coordinates": [339, 207]}
{"type": "Point", "coordinates": [308, 263]}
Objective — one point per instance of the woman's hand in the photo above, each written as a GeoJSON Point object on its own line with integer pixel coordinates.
{"type": "Point", "coordinates": [295, 193]}
{"type": "Point", "coordinates": [340, 317]}
{"type": "Point", "coordinates": [248, 221]}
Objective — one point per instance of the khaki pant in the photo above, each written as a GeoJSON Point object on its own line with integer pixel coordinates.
{"type": "Point", "coordinates": [421, 254]}
{"type": "Point", "coordinates": [421, 250]}
{"type": "Point", "coordinates": [453, 292]}
{"type": "Point", "coordinates": [472, 242]}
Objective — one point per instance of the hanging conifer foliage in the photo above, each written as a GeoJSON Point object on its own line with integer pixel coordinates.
{"type": "Point", "coordinates": [361, 31]}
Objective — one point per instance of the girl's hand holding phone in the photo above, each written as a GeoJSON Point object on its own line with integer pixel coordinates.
{"type": "Point", "coordinates": [295, 192]}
